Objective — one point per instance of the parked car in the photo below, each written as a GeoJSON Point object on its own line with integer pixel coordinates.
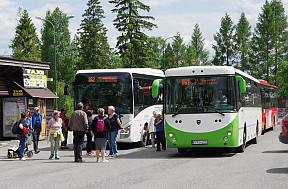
{"type": "Point", "coordinates": [284, 134]}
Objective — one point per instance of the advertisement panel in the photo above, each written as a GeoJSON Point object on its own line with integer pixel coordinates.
{"type": "Point", "coordinates": [34, 78]}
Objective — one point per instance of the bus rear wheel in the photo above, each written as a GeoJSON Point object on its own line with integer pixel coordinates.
{"type": "Point", "coordinates": [241, 149]}
{"type": "Point", "coordinates": [182, 150]}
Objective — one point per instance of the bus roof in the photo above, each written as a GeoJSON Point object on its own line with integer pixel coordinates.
{"type": "Point", "coordinates": [263, 82]}
{"type": "Point", "coordinates": [206, 70]}
{"type": "Point", "coordinates": [143, 71]}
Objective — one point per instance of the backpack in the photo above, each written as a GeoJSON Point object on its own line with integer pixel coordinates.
{"type": "Point", "coordinates": [15, 127]}
{"type": "Point", "coordinates": [100, 125]}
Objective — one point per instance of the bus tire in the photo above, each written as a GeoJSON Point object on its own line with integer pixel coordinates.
{"type": "Point", "coordinates": [241, 149]}
{"type": "Point", "coordinates": [263, 131]}
{"type": "Point", "coordinates": [255, 140]}
{"type": "Point", "coordinates": [182, 150]}
{"type": "Point", "coordinates": [273, 126]}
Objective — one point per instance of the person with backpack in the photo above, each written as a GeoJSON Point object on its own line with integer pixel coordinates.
{"type": "Point", "coordinates": [79, 125]}
{"type": "Point", "coordinates": [112, 135]}
{"type": "Point", "coordinates": [22, 127]}
{"type": "Point", "coordinates": [37, 128]}
{"type": "Point", "coordinates": [100, 128]}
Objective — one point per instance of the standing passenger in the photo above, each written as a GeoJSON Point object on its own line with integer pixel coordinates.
{"type": "Point", "coordinates": [65, 121]}
{"type": "Point", "coordinates": [88, 134]}
{"type": "Point", "coordinates": [152, 129]}
{"type": "Point", "coordinates": [55, 134]}
{"type": "Point", "coordinates": [112, 135]}
{"type": "Point", "coordinates": [79, 125]}
{"type": "Point", "coordinates": [22, 126]}
{"type": "Point", "coordinates": [100, 128]}
{"type": "Point", "coordinates": [160, 138]}
{"type": "Point", "coordinates": [37, 128]}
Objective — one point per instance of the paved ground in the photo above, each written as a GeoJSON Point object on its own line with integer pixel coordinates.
{"type": "Point", "coordinates": [264, 165]}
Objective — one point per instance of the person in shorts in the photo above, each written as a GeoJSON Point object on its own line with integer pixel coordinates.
{"type": "Point", "coordinates": [100, 136]}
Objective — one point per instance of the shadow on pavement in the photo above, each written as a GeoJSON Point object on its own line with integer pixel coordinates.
{"type": "Point", "coordinates": [275, 151]}
{"type": "Point", "coordinates": [278, 170]}
{"type": "Point", "coordinates": [151, 153]}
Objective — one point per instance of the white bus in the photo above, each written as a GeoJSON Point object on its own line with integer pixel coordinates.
{"type": "Point", "coordinates": [210, 106]}
{"type": "Point", "coordinates": [128, 90]}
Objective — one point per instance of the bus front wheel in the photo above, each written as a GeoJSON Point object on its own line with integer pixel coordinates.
{"type": "Point", "coordinates": [241, 149]}
{"type": "Point", "coordinates": [182, 150]}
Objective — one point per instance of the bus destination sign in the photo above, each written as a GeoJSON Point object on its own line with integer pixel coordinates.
{"type": "Point", "coordinates": [199, 81]}
{"type": "Point", "coordinates": [102, 79]}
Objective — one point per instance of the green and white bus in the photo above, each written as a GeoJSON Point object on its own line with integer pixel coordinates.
{"type": "Point", "coordinates": [210, 106]}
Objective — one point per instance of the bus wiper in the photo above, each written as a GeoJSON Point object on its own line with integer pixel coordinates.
{"type": "Point", "coordinates": [222, 114]}
{"type": "Point", "coordinates": [175, 114]}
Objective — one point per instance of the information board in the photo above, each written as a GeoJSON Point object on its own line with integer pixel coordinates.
{"type": "Point", "coordinates": [34, 78]}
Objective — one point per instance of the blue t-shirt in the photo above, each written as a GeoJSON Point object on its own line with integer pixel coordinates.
{"type": "Point", "coordinates": [160, 126]}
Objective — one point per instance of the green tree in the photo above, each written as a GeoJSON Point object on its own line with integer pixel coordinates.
{"type": "Point", "coordinates": [133, 44]}
{"type": "Point", "coordinates": [168, 60]}
{"type": "Point", "coordinates": [94, 50]}
{"type": "Point", "coordinates": [190, 57]}
{"type": "Point", "coordinates": [65, 50]}
{"type": "Point", "coordinates": [242, 43]}
{"type": "Point", "coordinates": [25, 44]}
{"type": "Point", "coordinates": [224, 48]}
{"type": "Point", "coordinates": [264, 42]}
{"type": "Point", "coordinates": [197, 43]}
{"type": "Point", "coordinates": [179, 50]}
{"type": "Point", "coordinates": [158, 46]}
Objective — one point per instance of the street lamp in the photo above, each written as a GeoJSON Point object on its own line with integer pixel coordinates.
{"type": "Point", "coordinates": [55, 74]}
{"type": "Point", "coordinates": [164, 49]}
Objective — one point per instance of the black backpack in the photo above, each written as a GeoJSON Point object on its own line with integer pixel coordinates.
{"type": "Point", "coordinates": [15, 128]}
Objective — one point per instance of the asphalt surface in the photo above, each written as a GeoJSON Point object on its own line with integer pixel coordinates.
{"type": "Point", "coordinates": [264, 165]}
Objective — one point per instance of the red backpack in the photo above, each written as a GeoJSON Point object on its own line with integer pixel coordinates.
{"type": "Point", "coordinates": [100, 124]}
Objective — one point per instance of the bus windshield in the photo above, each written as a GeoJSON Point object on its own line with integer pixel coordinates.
{"type": "Point", "coordinates": [200, 94]}
{"type": "Point", "coordinates": [100, 90]}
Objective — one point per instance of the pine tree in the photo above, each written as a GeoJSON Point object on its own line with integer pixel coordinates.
{"type": "Point", "coordinates": [242, 43]}
{"type": "Point", "coordinates": [94, 50]}
{"type": "Point", "coordinates": [65, 53]}
{"type": "Point", "coordinates": [133, 44]}
{"type": "Point", "coordinates": [158, 46]}
{"type": "Point", "coordinates": [224, 48]}
{"type": "Point", "coordinates": [190, 57]}
{"type": "Point", "coordinates": [197, 43]}
{"type": "Point", "coordinates": [179, 51]}
{"type": "Point", "coordinates": [25, 44]}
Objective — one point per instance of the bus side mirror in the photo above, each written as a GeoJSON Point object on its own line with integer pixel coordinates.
{"type": "Point", "coordinates": [155, 87]}
{"type": "Point", "coordinates": [242, 84]}
{"type": "Point", "coordinates": [66, 90]}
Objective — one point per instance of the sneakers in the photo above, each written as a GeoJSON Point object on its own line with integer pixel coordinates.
{"type": "Point", "coordinates": [89, 154]}
{"type": "Point", "coordinates": [105, 161]}
{"type": "Point", "coordinates": [23, 159]}
{"type": "Point", "coordinates": [110, 155]}
{"type": "Point", "coordinates": [57, 157]}
{"type": "Point", "coordinates": [37, 152]}
{"type": "Point", "coordinates": [51, 156]}
{"type": "Point", "coordinates": [158, 150]}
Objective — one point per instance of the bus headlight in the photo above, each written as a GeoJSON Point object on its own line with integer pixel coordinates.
{"type": "Point", "coordinates": [225, 139]}
{"type": "Point", "coordinates": [125, 134]}
{"type": "Point", "coordinates": [171, 135]}
{"type": "Point", "coordinates": [173, 139]}
{"type": "Point", "coordinates": [229, 133]}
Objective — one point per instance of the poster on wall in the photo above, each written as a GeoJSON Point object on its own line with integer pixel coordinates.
{"type": "Point", "coordinates": [12, 109]}
{"type": "Point", "coordinates": [33, 78]}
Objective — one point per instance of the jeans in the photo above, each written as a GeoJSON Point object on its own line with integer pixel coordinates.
{"type": "Point", "coordinates": [112, 142]}
{"type": "Point", "coordinates": [22, 146]}
{"type": "Point", "coordinates": [54, 144]}
{"type": "Point", "coordinates": [89, 142]}
{"type": "Point", "coordinates": [78, 141]}
{"type": "Point", "coordinates": [65, 134]}
{"type": "Point", "coordinates": [160, 138]}
{"type": "Point", "coordinates": [36, 134]}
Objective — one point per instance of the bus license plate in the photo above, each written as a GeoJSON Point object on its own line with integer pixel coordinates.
{"type": "Point", "coordinates": [199, 142]}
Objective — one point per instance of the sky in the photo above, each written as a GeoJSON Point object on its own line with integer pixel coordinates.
{"type": "Point", "coordinates": [171, 16]}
